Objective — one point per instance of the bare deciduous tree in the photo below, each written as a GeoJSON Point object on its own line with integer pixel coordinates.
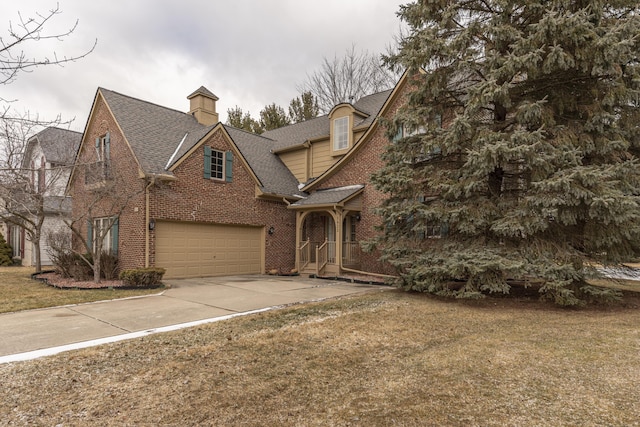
{"type": "Point", "coordinates": [24, 200]}
{"type": "Point", "coordinates": [348, 78]}
{"type": "Point", "coordinates": [106, 194]}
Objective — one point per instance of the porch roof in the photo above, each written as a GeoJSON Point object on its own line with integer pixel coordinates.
{"type": "Point", "coordinates": [327, 197]}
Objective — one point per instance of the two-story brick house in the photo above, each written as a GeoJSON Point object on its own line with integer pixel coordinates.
{"type": "Point", "coordinates": [204, 198]}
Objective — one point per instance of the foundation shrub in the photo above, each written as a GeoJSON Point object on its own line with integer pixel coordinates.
{"type": "Point", "coordinates": [142, 277]}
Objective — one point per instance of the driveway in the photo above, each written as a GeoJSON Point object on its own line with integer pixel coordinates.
{"type": "Point", "coordinates": [188, 302]}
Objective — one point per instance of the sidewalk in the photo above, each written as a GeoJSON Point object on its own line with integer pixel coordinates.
{"type": "Point", "coordinates": [188, 302]}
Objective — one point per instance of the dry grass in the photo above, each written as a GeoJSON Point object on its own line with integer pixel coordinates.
{"type": "Point", "coordinates": [19, 292]}
{"type": "Point", "coordinates": [388, 358]}
{"type": "Point", "coordinates": [620, 284]}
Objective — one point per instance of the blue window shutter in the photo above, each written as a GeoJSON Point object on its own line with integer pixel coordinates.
{"type": "Point", "coordinates": [228, 170]}
{"type": "Point", "coordinates": [444, 229]}
{"type": "Point", "coordinates": [398, 136]}
{"type": "Point", "coordinates": [107, 145]}
{"type": "Point", "coordinates": [207, 162]}
{"type": "Point", "coordinates": [90, 235]}
{"type": "Point", "coordinates": [97, 143]}
{"type": "Point", "coordinates": [114, 237]}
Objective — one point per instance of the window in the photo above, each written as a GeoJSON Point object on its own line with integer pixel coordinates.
{"type": "Point", "coordinates": [218, 164]}
{"type": "Point", "coordinates": [434, 231]}
{"type": "Point", "coordinates": [107, 229]}
{"type": "Point", "coordinates": [341, 133]}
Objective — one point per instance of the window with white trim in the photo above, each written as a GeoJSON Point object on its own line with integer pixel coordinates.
{"type": "Point", "coordinates": [341, 133]}
{"type": "Point", "coordinates": [107, 229]}
{"type": "Point", "coordinates": [217, 164]}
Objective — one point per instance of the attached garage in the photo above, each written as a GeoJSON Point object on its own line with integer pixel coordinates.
{"type": "Point", "coordinates": [197, 250]}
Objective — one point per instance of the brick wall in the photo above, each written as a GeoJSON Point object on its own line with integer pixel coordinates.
{"type": "Point", "coordinates": [124, 193]}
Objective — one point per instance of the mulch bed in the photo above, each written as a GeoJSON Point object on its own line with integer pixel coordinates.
{"type": "Point", "coordinates": [57, 281]}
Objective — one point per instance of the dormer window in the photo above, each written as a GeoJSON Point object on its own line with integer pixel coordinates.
{"type": "Point", "coordinates": [341, 133]}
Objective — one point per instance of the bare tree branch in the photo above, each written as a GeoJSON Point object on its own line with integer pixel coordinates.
{"type": "Point", "coordinates": [13, 57]}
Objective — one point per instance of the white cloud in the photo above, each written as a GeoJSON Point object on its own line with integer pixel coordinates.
{"type": "Point", "coordinates": [249, 53]}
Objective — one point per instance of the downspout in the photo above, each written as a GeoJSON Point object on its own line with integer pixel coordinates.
{"type": "Point", "coordinates": [147, 219]}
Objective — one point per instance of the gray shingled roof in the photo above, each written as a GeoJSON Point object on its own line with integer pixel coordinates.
{"type": "Point", "coordinates": [298, 133]}
{"type": "Point", "coordinates": [275, 177]}
{"type": "Point", "coordinates": [59, 145]}
{"type": "Point", "coordinates": [329, 196]}
{"type": "Point", "coordinates": [153, 131]}
{"type": "Point", "coordinates": [371, 104]}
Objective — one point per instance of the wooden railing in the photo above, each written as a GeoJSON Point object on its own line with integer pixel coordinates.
{"type": "Point", "coordinates": [321, 258]}
{"type": "Point", "coordinates": [305, 255]}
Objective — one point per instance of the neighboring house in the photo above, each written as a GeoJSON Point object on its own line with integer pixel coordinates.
{"type": "Point", "coordinates": [210, 199]}
{"type": "Point", "coordinates": [46, 163]}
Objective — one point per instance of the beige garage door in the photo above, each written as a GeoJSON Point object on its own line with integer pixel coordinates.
{"type": "Point", "coordinates": [197, 250]}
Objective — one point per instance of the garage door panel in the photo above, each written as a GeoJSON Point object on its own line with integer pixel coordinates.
{"type": "Point", "coordinates": [196, 250]}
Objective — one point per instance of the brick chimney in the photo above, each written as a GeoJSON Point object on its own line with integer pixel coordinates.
{"type": "Point", "coordinates": [203, 106]}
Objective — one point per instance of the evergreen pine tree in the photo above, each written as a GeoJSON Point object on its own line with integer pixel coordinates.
{"type": "Point", "coordinates": [523, 150]}
{"type": "Point", "coordinates": [6, 253]}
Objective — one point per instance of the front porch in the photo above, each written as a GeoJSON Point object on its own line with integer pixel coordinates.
{"type": "Point", "coordinates": [327, 231]}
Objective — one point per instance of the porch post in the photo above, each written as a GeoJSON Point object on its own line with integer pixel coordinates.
{"type": "Point", "coordinates": [339, 231]}
{"type": "Point", "coordinates": [298, 238]}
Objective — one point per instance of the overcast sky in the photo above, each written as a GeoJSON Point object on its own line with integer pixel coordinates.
{"type": "Point", "coordinates": [249, 53]}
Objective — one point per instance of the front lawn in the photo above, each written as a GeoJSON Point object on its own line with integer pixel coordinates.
{"type": "Point", "coordinates": [380, 359]}
{"type": "Point", "coordinates": [19, 292]}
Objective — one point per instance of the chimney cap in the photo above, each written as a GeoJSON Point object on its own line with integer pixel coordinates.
{"type": "Point", "coordinates": [204, 92]}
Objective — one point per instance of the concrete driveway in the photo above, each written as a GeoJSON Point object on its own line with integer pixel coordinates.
{"type": "Point", "coordinates": [188, 302]}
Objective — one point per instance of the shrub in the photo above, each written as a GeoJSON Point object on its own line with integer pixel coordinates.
{"type": "Point", "coordinates": [71, 264]}
{"type": "Point", "coordinates": [142, 277]}
{"type": "Point", "coordinates": [109, 266]}
{"type": "Point", "coordinates": [6, 253]}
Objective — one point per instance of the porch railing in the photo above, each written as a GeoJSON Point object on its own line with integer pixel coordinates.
{"type": "Point", "coordinates": [323, 253]}
{"type": "Point", "coordinates": [322, 257]}
{"type": "Point", "coordinates": [305, 255]}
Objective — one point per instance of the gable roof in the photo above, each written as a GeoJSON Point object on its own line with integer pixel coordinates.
{"type": "Point", "coordinates": [160, 137]}
{"type": "Point", "coordinates": [58, 145]}
{"type": "Point", "coordinates": [299, 133]}
{"type": "Point", "coordinates": [374, 99]}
